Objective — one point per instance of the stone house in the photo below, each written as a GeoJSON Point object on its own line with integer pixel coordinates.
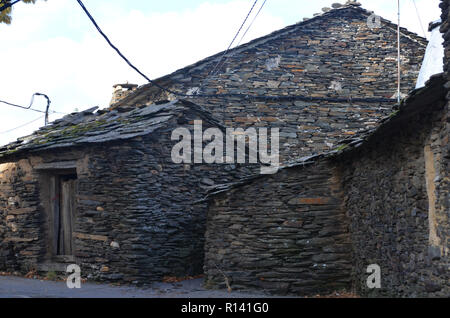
{"type": "Point", "coordinates": [102, 191]}
{"type": "Point", "coordinates": [382, 197]}
{"type": "Point", "coordinates": [100, 188]}
{"type": "Point", "coordinates": [317, 225]}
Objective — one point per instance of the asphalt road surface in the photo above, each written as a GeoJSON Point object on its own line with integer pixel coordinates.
{"type": "Point", "coordinates": [17, 287]}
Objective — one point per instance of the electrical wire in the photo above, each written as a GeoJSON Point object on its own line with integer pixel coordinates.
{"type": "Point", "coordinates": [22, 107]}
{"type": "Point", "coordinates": [234, 39]}
{"type": "Point", "coordinates": [8, 5]}
{"type": "Point", "coordinates": [24, 125]}
{"type": "Point", "coordinates": [243, 36]}
{"type": "Point", "coordinates": [241, 96]}
{"type": "Point", "coordinates": [420, 19]}
{"type": "Point", "coordinates": [245, 33]}
{"type": "Point", "coordinates": [251, 23]}
{"type": "Point", "coordinates": [86, 11]}
{"type": "Point", "coordinates": [119, 52]}
{"type": "Point", "coordinates": [31, 104]}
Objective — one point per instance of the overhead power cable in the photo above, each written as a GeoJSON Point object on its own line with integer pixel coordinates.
{"type": "Point", "coordinates": [241, 96]}
{"type": "Point", "coordinates": [118, 51]}
{"type": "Point", "coordinates": [24, 125]}
{"type": "Point", "coordinates": [8, 5]}
{"type": "Point", "coordinates": [23, 107]}
{"type": "Point", "coordinates": [29, 107]}
{"type": "Point", "coordinates": [26, 107]}
{"type": "Point", "coordinates": [234, 39]}
{"type": "Point", "coordinates": [420, 19]}
{"type": "Point", "coordinates": [251, 23]}
{"type": "Point", "coordinates": [234, 53]}
{"type": "Point", "coordinates": [245, 33]}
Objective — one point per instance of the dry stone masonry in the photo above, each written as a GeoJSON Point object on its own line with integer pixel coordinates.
{"type": "Point", "coordinates": [395, 200]}
{"type": "Point", "coordinates": [364, 181]}
{"type": "Point", "coordinates": [319, 224]}
{"type": "Point", "coordinates": [134, 220]}
{"type": "Point", "coordinates": [287, 234]}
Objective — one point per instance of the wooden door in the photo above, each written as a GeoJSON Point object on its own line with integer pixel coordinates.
{"type": "Point", "coordinates": [66, 215]}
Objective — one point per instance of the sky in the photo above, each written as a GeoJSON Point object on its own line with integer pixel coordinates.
{"type": "Point", "coordinates": [52, 47]}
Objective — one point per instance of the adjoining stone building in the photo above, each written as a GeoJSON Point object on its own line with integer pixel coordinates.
{"type": "Point", "coordinates": [381, 198]}
{"type": "Point", "coordinates": [317, 225]}
{"type": "Point", "coordinates": [286, 233]}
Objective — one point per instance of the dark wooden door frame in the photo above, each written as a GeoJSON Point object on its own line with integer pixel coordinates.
{"type": "Point", "coordinates": [67, 210]}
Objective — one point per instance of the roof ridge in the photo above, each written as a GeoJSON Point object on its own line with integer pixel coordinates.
{"type": "Point", "coordinates": [336, 7]}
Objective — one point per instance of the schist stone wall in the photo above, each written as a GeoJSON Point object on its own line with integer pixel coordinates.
{"type": "Point", "coordinates": [20, 222]}
{"type": "Point", "coordinates": [397, 201]}
{"type": "Point", "coordinates": [336, 55]}
{"type": "Point", "coordinates": [317, 228]}
{"type": "Point", "coordinates": [286, 233]}
{"type": "Point", "coordinates": [135, 221]}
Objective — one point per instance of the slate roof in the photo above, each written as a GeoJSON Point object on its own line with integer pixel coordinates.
{"type": "Point", "coordinates": [90, 127]}
{"type": "Point", "coordinates": [167, 80]}
{"type": "Point", "coordinates": [417, 101]}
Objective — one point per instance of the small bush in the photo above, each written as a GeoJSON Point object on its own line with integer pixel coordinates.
{"type": "Point", "coordinates": [51, 275]}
